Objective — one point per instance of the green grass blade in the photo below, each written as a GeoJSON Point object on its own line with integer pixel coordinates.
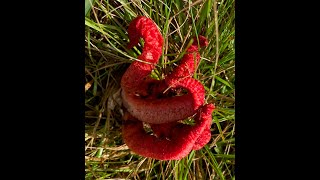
{"type": "Point", "coordinates": [223, 81]}
{"type": "Point", "coordinates": [213, 162]}
{"type": "Point", "coordinates": [88, 5]}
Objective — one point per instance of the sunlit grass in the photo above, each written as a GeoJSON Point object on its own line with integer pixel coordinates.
{"type": "Point", "coordinates": [107, 58]}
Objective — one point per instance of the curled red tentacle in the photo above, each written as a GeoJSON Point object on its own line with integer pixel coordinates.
{"type": "Point", "coordinates": [189, 61]}
{"type": "Point", "coordinates": [142, 27]}
{"type": "Point", "coordinates": [178, 142]}
{"type": "Point", "coordinates": [169, 109]}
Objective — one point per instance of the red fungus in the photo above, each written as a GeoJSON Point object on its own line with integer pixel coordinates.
{"type": "Point", "coordinates": [167, 109]}
{"type": "Point", "coordinates": [142, 27]}
{"type": "Point", "coordinates": [175, 144]}
{"type": "Point", "coordinates": [189, 61]}
{"type": "Point", "coordinates": [145, 100]}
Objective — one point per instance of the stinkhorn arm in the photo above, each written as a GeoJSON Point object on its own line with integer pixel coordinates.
{"type": "Point", "coordinates": [145, 28]}
{"type": "Point", "coordinates": [177, 146]}
{"type": "Point", "coordinates": [189, 61]}
{"type": "Point", "coordinates": [169, 109]}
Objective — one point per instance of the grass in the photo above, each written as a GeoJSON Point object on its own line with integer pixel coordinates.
{"type": "Point", "coordinates": [106, 59]}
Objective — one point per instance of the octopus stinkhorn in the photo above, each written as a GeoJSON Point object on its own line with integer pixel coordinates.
{"type": "Point", "coordinates": [156, 102]}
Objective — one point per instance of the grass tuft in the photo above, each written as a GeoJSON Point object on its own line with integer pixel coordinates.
{"type": "Point", "coordinates": [106, 59]}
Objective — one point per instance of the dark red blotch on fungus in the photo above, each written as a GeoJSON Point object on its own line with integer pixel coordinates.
{"type": "Point", "coordinates": [146, 102]}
